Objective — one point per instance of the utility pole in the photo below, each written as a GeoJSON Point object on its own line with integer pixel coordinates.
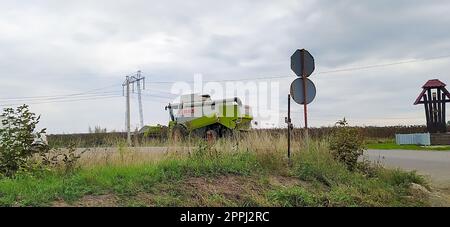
{"type": "Point", "coordinates": [128, 111]}
{"type": "Point", "coordinates": [135, 78]}
{"type": "Point", "coordinates": [141, 112]}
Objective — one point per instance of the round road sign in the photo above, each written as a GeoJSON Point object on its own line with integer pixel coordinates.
{"type": "Point", "coordinates": [297, 91]}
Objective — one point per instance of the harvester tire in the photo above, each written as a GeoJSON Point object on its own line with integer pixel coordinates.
{"type": "Point", "coordinates": [211, 136]}
{"type": "Point", "coordinates": [179, 133]}
{"type": "Point", "coordinates": [226, 132]}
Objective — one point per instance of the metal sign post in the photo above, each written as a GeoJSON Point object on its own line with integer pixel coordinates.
{"type": "Point", "coordinates": [305, 104]}
{"type": "Point", "coordinates": [305, 108]}
{"type": "Point", "coordinates": [289, 125]}
{"type": "Point", "coordinates": [303, 90]}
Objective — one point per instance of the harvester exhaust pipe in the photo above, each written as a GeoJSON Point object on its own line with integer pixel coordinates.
{"type": "Point", "coordinates": [172, 117]}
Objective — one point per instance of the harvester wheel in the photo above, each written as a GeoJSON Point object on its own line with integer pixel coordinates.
{"type": "Point", "coordinates": [211, 136]}
{"type": "Point", "coordinates": [179, 133]}
{"type": "Point", "coordinates": [226, 132]}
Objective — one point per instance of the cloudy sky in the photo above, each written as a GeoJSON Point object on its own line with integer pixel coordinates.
{"type": "Point", "coordinates": [68, 59]}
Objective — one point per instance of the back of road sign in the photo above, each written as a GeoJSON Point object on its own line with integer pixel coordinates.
{"type": "Point", "coordinates": [297, 91]}
{"type": "Point", "coordinates": [302, 58]}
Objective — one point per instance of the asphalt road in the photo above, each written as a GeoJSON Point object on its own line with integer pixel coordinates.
{"type": "Point", "coordinates": [435, 164]}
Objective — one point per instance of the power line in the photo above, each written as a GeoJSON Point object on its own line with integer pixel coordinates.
{"type": "Point", "coordinates": [66, 99]}
{"type": "Point", "coordinates": [92, 91]}
{"type": "Point", "coordinates": [330, 116]}
{"type": "Point", "coordinates": [63, 97]}
{"type": "Point", "coordinates": [356, 68]}
{"type": "Point", "coordinates": [169, 95]}
{"type": "Point", "coordinates": [382, 65]}
{"type": "Point", "coordinates": [228, 80]}
{"type": "Point", "coordinates": [97, 90]}
{"type": "Point", "coordinates": [101, 88]}
{"type": "Point", "coordinates": [53, 97]}
{"type": "Point", "coordinates": [62, 101]}
{"type": "Point", "coordinates": [152, 96]}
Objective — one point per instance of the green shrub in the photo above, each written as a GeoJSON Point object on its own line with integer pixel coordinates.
{"type": "Point", "coordinates": [347, 144]}
{"type": "Point", "coordinates": [397, 177]}
{"type": "Point", "coordinates": [22, 149]}
{"type": "Point", "coordinates": [17, 140]}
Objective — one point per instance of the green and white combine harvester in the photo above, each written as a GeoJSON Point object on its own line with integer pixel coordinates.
{"type": "Point", "coordinates": [201, 116]}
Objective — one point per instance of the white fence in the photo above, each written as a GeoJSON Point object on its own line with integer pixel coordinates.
{"type": "Point", "coordinates": [418, 139]}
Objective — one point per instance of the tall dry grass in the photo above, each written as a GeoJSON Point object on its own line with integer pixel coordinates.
{"type": "Point", "coordinates": [113, 138]}
{"type": "Point", "coordinates": [271, 150]}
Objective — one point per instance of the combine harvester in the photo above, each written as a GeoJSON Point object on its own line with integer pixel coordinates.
{"type": "Point", "coordinates": [201, 116]}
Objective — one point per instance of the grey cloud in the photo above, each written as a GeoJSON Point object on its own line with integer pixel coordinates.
{"type": "Point", "coordinates": [71, 46]}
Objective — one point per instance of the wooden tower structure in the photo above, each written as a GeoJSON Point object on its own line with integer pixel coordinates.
{"type": "Point", "coordinates": [434, 96]}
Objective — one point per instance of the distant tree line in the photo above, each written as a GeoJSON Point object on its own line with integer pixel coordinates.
{"type": "Point", "coordinates": [100, 137]}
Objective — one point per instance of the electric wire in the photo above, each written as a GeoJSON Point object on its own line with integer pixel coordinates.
{"type": "Point", "coordinates": [356, 68]}
{"type": "Point", "coordinates": [92, 93]}
{"type": "Point", "coordinates": [63, 101]}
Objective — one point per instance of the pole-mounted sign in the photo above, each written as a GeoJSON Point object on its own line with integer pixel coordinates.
{"type": "Point", "coordinates": [303, 90]}
{"type": "Point", "coordinates": [302, 63]}
{"type": "Point", "coordinates": [297, 91]}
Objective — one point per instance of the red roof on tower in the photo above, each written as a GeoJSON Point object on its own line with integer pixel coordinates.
{"type": "Point", "coordinates": [430, 85]}
{"type": "Point", "coordinates": [434, 84]}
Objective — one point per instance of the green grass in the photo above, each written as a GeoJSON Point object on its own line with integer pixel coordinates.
{"type": "Point", "coordinates": [393, 146]}
{"type": "Point", "coordinates": [375, 186]}
{"type": "Point", "coordinates": [294, 197]}
{"type": "Point", "coordinates": [28, 190]}
{"type": "Point", "coordinates": [239, 178]}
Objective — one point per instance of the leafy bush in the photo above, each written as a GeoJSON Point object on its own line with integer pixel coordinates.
{"type": "Point", "coordinates": [17, 140]}
{"type": "Point", "coordinates": [347, 144]}
{"type": "Point", "coordinates": [22, 149]}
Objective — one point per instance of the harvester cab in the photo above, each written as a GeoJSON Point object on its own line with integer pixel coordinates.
{"type": "Point", "coordinates": [201, 115]}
